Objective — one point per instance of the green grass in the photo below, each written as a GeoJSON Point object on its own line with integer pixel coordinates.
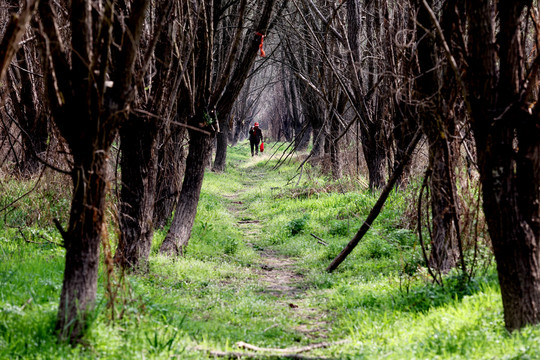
{"type": "Point", "coordinates": [380, 298]}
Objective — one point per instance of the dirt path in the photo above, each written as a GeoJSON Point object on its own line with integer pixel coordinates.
{"type": "Point", "coordinates": [278, 276]}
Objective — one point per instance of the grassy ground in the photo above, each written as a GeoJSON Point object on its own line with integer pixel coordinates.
{"type": "Point", "coordinates": [253, 273]}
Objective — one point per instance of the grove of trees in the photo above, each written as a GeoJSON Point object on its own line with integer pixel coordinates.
{"type": "Point", "coordinates": [359, 85]}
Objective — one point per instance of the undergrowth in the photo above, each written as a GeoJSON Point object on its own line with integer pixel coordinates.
{"type": "Point", "coordinates": [381, 298]}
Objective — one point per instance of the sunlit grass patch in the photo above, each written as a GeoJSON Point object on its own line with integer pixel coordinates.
{"type": "Point", "coordinates": [381, 298]}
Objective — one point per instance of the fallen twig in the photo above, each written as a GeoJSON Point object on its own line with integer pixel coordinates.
{"type": "Point", "coordinates": [36, 242]}
{"type": "Point", "coordinates": [272, 353]}
{"type": "Point", "coordinates": [270, 327]}
{"type": "Point", "coordinates": [241, 355]}
{"type": "Point", "coordinates": [319, 240]}
{"type": "Point", "coordinates": [26, 303]}
{"type": "Point", "coordinates": [295, 350]}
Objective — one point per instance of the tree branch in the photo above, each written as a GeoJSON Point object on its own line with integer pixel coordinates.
{"type": "Point", "coordinates": [12, 37]}
{"type": "Point", "coordinates": [378, 205]}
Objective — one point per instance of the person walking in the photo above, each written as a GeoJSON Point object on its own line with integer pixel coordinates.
{"type": "Point", "coordinates": [255, 137]}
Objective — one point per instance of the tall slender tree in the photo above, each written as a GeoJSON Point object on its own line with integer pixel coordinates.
{"type": "Point", "coordinates": [438, 124]}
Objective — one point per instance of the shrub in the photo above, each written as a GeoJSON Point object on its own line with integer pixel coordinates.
{"type": "Point", "coordinates": [339, 228]}
{"type": "Point", "coordinates": [376, 248]}
{"type": "Point", "coordinates": [296, 226]}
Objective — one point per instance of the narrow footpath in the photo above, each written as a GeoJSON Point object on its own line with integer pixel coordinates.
{"type": "Point", "coordinates": [277, 274]}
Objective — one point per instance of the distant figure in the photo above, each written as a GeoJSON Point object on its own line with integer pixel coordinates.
{"type": "Point", "coordinates": [255, 137]}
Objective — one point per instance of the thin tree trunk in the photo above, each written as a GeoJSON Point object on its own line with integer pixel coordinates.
{"type": "Point", "coordinates": [375, 161]}
{"type": "Point", "coordinates": [335, 131]}
{"type": "Point", "coordinates": [221, 147]}
{"type": "Point", "coordinates": [32, 123]}
{"type": "Point", "coordinates": [302, 131]}
{"type": "Point", "coordinates": [444, 247]}
{"type": "Point", "coordinates": [319, 138]}
{"type": "Point", "coordinates": [372, 128]}
{"type": "Point", "coordinates": [177, 239]}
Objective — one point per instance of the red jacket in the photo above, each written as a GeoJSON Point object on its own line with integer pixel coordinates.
{"type": "Point", "coordinates": [255, 134]}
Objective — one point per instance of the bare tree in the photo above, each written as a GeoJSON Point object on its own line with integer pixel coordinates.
{"type": "Point", "coordinates": [502, 93]}
{"type": "Point", "coordinates": [211, 96]}
{"type": "Point", "coordinates": [88, 95]}
{"type": "Point", "coordinates": [24, 88]}
{"type": "Point", "coordinates": [143, 134]}
{"type": "Point", "coordinates": [436, 111]}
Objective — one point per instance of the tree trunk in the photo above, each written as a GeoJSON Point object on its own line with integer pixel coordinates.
{"type": "Point", "coordinates": [171, 165]}
{"type": "Point", "coordinates": [335, 131]}
{"type": "Point", "coordinates": [302, 130]}
{"type": "Point", "coordinates": [137, 197]}
{"type": "Point", "coordinates": [375, 160]}
{"type": "Point", "coordinates": [88, 116]}
{"type": "Point", "coordinates": [140, 139]}
{"type": "Point", "coordinates": [316, 117]}
{"type": "Point", "coordinates": [444, 247]}
{"type": "Point", "coordinates": [511, 197]}
{"type": "Point", "coordinates": [177, 239]}
{"type": "Point", "coordinates": [221, 147]}
{"type": "Point", "coordinates": [403, 132]}
{"type": "Point", "coordinates": [319, 138]}
{"type": "Point", "coordinates": [508, 147]}
{"type": "Point", "coordinates": [372, 128]}
{"type": "Point", "coordinates": [82, 241]}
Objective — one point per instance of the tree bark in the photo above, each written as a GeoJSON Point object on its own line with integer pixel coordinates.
{"type": "Point", "coordinates": [171, 166]}
{"type": "Point", "coordinates": [82, 241]}
{"type": "Point", "coordinates": [137, 197]}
